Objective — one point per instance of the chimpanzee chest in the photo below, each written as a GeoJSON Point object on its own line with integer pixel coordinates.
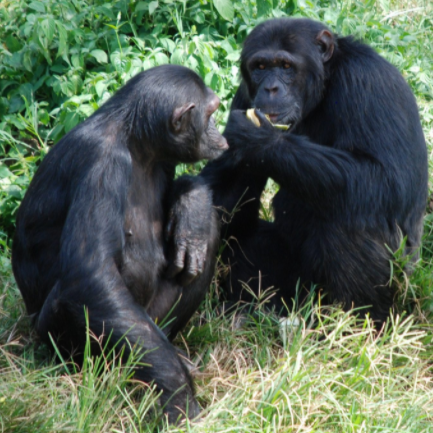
{"type": "Point", "coordinates": [143, 258]}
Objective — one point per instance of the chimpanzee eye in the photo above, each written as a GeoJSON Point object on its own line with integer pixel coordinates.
{"type": "Point", "coordinates": [286, 65]}
{"type": "Point", "coordinates": [261, 66]}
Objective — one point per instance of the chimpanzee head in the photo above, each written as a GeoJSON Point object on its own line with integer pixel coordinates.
{"type": "Point", "coordinates": [284, 65]}
{"type": "Point", "coordinates": [167, 113]}
{"type": "Point", "coordinates": [192, 123]}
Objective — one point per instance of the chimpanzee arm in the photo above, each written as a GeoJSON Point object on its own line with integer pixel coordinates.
{"type": "Point", "coordinates": [189, 228]}
{"type": "Point", "coordinates": [315, 173]}
{"type": "Point", "coordinates": [236, 189]}
{"type": "Point", "coordinates": [90, 257]}
{"type": "Point", "coordinates": [222, 185]}
{"type": "Point", "coordinates": [236, 193]}
{"type": "Point", "coordinates": [191, 216]}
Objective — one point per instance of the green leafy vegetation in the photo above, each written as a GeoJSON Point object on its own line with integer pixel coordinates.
{"type": "Point", "coordinates": [59, 61]}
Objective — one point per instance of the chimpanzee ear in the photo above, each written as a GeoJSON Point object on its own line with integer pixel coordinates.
{"type": "Point", "coordinates": [178, 114]}
{"type": "Point", "coordinates": [325, 39]}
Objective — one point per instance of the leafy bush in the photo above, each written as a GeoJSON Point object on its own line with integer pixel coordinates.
{"type": "Point", "coordinates": [60, 60]}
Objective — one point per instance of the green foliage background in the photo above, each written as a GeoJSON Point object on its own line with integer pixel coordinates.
{"type": "Point", "coordinates": [59, 61]}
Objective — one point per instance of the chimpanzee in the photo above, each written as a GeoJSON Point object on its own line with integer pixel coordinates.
{"type": "Point", "coordinates": [97, 232]}
{"type": "Point", "coordinates": [351, 169]}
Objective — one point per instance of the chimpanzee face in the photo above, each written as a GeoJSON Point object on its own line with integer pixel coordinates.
{"type": "Point", "coordinates": [195, 128]}
{"type": "Point", "coordinates": [285, 74]}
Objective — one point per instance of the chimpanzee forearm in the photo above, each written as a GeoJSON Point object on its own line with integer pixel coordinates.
{"type": "Point", "coordinates": [236, 193]}
{"type": "Point", "coordinates": [315, 173]}
{"type": "Point", "coordinates": [190, 228]}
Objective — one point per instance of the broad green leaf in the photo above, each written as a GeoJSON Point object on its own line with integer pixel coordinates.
{"type": "Point", "coordinates": [14, 191]}
{"type": "Point", "coordinates": [208, 78]}
{"type": "Point", "coordinates": [5, 172]}
{"type": "Point", "coordinates": [106, 10]}
{"type": "Point", "coordinates": [37, 6]}
{"type": "Point", "coordinates": [77, 60]}
{"type": "Point", "coordinates": [4, 105]}
{"type": "Point", "coordinates": [193, 64]}
{"type": "Point", "coordinates": [152, 7]}
{"type": "Point", "coordinates": [225, 44]}
{"type": "Point", "coordinates": [13, 44]}
{"type": "Point", "coordinates": [214, 82]}
{"type": "Point", "coordinates": [86, 110]}
{"type": "Point", "coordinates": [36, 86]}
{"type": "Point", "coordinates": [77, 83]}
{"type": "Point", "coordinates": [79, 99]}
{"type": "Point", "coordinates": [72, 120]}
{"type": "Point", "coordinates": [58, 69]}
{"type": "Point", "coordinates": [161, 59]}
{"type": "Point", "coordinates": [57, 132]}
{"type": "Point", "coordinates": [148, 63]}
{"type": "Point", "coordinates": [43, 117]}
{"type": "Point", "coordinates": [199, 18]}
{"type": "Point", "coordinates": [225, 9]}
{"type": "Point", "coordinates": [27, 60]}
{"type": "Point", "coordinates": [264, 7]}
{"type": "Point", "coordinates": [63, 39]}
{"type": "Point", "coordinates": [100, 56]}
{"type": "Point", "coordinates": [100, 88]}
{"type": "Point", "coordinates": [67, 88]}
{"type": "Point", "coordinates": [177, 58]}
{"type": "Point", "coordinates": [233, 56]}
{"type": "Point", "coordinates": [48, 26]}
{"type": "Point", "coordinates": [167, 44]}
{"type": "Point", "coordinates": [141, 6]}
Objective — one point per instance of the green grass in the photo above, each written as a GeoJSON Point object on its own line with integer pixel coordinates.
{"type": "Point", "coordinates": [59, 60]}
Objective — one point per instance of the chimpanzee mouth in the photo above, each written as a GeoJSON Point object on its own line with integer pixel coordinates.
{"type": "Point", "coordinates": [273, 117]}
{"type": "Point", "coordinates": [282, 121]}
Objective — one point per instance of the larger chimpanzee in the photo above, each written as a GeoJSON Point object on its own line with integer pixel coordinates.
{"type": "Point", "coordinates": [352, 168]}
{"type": "Point", "coordinates": [94, 231]}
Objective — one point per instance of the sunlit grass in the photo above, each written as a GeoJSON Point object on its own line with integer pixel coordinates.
{"type": "Point", "coordinates": [332, 373]}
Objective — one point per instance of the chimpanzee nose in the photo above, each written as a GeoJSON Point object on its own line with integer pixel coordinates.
{"type": "Point", "coordinates": [272, 88]}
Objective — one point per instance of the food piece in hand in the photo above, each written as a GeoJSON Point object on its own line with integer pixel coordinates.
{"type": "Point", "coordinates": [251, 115]}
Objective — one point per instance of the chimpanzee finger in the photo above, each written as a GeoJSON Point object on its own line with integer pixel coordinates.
{"type": "Point", "coordinates": [169, 228]}
{"type": "Point", "coordinates": [191, 270]}
{"type": "Point", "coordinates": [264, 121]}
{"type": "Point", "coordinates": [178, 263]}
{"type": "Point", "coordinates": [201, 259]}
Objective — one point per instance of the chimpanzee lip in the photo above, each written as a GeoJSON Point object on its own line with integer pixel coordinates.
{"type": "Point", "coordinates": [281, 119]}
{"type": "Point", "coordinates": [273, 117]}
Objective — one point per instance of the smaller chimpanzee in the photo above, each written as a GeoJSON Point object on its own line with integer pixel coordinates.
{"type": "Point", "coordinates": [352, 168]}
{"type": "Point", "coordinates": [98, 232]}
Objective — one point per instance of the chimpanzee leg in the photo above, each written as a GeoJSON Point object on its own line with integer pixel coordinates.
{"type": "Point", "coordinates": [117, 318]}
{"type": "Point", "coordinates": [259, 261]}
{"type": "Point", "coordinates": [175, 304]}
{"type": "Point", "coordinates": [265, 259]}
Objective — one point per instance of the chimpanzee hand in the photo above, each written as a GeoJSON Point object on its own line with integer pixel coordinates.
{"type": "Point", "coordinates": [189, 229]}
{"type": "Point", "coordinates": [246, 140]}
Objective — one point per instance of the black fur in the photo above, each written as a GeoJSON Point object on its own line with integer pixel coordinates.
{"type": "Point", "coordinates": [352, 169]}
{"type": "Point", "coordinates": [91, 230]}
